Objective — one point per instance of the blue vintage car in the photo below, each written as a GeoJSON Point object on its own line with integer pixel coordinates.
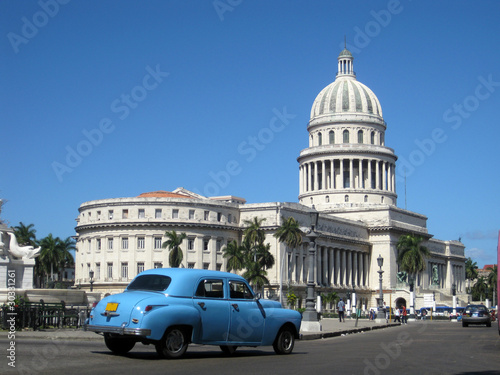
{"type": "Point", "coordinates": [172, 307]}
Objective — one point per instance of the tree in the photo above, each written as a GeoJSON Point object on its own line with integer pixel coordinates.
{"type": "Point", "coordinates": [470, 271]}
{"type": "Point", "coordinates": [411, 254]}
{"type": "Point", "coordinates": [330, 298]}
{"type": "Point", "coordinates": [235, 256]}
{"type": "Point", "coordinates": [492, 281]}
{"type": "Point", "coordinates": [65, 257]}
{"type": "Point", "coordinates": [256, 275]}
{"type": "Point", "coordinates": [173, 243]}
{"type": "Point", "coordinates": [50, 256]}
{"type": "Point", "coordinates": [479, 289]}
{"type": "Point", "coordinates": [25, 234]}
{"type": "Point", "coordinates": [253, 232]}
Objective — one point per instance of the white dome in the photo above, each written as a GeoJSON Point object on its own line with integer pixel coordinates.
{"type": "Point", "coordinates": [346, 95]}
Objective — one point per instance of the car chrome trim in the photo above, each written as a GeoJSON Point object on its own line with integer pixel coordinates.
{"type": "Point", "coordinates": [117, 330]}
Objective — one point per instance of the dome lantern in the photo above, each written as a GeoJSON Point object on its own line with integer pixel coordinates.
{"type": "Point", "coordinates": [345, 64]}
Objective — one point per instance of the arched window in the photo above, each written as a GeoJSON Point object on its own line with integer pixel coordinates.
{"type": "Point", "coordinates": [331, 137]}
{"type": "Point", "coordinates": [372, 138]}
{"type": "Point", "coordinates": [360, 136]}
{"type": "Point", "coordinates": [320, 139]}
{"type": "Point", "coordinates": [346, 136]}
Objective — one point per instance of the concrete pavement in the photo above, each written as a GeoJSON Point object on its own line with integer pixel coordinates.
{"type": "Point", "coordinates": [330, 328]}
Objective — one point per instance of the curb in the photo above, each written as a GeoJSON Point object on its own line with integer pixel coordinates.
{"type": "Point", "coordinates": [324, 335]}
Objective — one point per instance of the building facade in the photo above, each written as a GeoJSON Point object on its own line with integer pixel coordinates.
{"type": "Point", "coordinates": [347, 174]}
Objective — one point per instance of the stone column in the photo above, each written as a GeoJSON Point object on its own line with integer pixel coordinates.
{"type": "Point", "coordinates": [342, 173]}
{"type": "Point", "coordinates": [336, 275]}
{"type": "Point", "coordinates": [351, 174]}
{"type": "Point", "coordinates": [343, 268]}
{"type": "Point", "coordinates": [354, 268]}
{"type": "Point", "coordinates": [370, 182]}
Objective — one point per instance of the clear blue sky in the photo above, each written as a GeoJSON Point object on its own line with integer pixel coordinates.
{"type": "Point", "coordinates": [106, 99]}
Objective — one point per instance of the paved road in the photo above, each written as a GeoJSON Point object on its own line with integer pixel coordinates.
{"type": "Point", "coordinates": [417, 348]}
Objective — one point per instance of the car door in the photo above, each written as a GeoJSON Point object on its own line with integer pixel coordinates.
{"type": "Point", "coordinates": [246, 314]}
{"type": "Point", "coordinates": [213, 307]}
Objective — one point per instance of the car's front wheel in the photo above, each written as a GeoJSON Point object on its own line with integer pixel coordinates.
{"type": "Point", "coordinates": [173, 345]}
{"type": "Point", "coordinates": [284, 341]}
{"type": "Point", "coordinates": [119, 345]}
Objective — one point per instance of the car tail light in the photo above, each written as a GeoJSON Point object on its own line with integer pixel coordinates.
{"type": "Point", "coordinates": [148, 308]}
{"type": "Point", "coordinates": [94, 304]}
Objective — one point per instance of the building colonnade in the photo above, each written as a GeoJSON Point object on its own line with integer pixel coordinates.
{"type": "Point", "coordinates": [334, 267]}
{"type": "Point", "coordinates": [345, 173]}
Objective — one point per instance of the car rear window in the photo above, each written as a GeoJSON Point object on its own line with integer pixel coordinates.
{"type": "Point", "coordinates": [155, 283]}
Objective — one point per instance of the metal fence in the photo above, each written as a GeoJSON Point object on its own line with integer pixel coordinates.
{"type": "Point", "coordinates": [41, 315]}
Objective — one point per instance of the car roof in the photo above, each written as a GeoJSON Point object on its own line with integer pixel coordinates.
{"type": "Point", "coordinates": [184, 280]}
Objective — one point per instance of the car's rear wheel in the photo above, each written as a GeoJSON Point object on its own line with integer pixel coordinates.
{"type": "Point", "coordinates": [464, 324]}
{"type": "Point", "coordinates": [284, 342]}
{"type": "Point", "coordinates": [119, 345]}
{"type": "Point", "coordinates": [228, 349]}
{"type": "Point", "coordinates": [173, 344]}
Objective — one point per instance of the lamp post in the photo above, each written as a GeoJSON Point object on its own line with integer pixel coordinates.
{"type": "Point", "coordinates": [380, 312]}
{"type": "Point", "coordinates": [454, 293]}
{"type": "Point", "coordinates": [310, 322]}
{"type": "Point", "coordinates": [91, 276]}
{"type": "Point", "coordinates": [411, 281]}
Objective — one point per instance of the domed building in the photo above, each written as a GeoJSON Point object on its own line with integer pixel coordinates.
{"type": "Point", "coordinates": [346, 174]}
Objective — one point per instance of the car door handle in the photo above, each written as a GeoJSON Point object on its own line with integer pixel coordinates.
{"type": "Point", "coordinates": [202, 305]}
{"type": "Point", "coordinates": [236, 307]}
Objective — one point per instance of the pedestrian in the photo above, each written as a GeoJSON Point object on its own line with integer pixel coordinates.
{"type": "Point", "coordinates": [424, 313]}
{"type": "Point", "coordinates": [341, 306]}
{"type": "Point", "coordinates": [405, 315]}
{"type": "Point", "coordinates": [397, 315]}
{"type": "Point", "coordinates": [386, 312]}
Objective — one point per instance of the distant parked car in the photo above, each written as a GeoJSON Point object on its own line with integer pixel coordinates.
{"type": "Point", "coordinates": [172, 307]}
{"type": "Point", "coordinates": [476, 314]}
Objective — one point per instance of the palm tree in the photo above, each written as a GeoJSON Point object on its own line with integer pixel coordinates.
{"type": "Point", "coordinates": [470, 271]}
{"type": "Point", "coordinates": [492, 281]}
{"type": "Point", "coordinates": [50, 255]}
{"type": "Point", "coordinates": [235, 256]}
{"type": "Point", "coordinates": [66, 259]}
{"type": "Point", "coordinates": [256, 275]}
{"type": "Point", "coordinates": [264, 256]}
{"type": "Point", "coordinates": [25, 234]}
{"type": "Point", "coordinates": [480, 288]}
{"type": "Point", "coordinates": [290, 234]}
{"type": "Point", "coordinates": [174, 242]}
{"type": "Point", "coordinates": [253, 232]}
{"type": "Point", "coordinates": [411, 254]}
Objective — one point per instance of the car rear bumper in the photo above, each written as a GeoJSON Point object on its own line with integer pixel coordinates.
{"type": "Point", "coordinates": [476, 320]}
{"type": "Point", "coordinates": [141, 332]}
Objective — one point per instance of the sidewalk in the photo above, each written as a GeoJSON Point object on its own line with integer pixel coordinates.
{"type": "Point", "coordinates": [330, 328]}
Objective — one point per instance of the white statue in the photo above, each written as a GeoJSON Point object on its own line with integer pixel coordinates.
{"type": "Point", "coordinates": [22, 252]}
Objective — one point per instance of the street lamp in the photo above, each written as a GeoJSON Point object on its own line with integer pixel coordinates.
{"type": "Point", "coordinates": [454, 293]}
{"type": "Point", "coordinates": [411, 281]}
{"type": "Point", "coordinates": [380, 312]}
{"type": "Point", "coordinates": [310, 320]}
{"type": "Point", "coordinates": [91, 276]}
